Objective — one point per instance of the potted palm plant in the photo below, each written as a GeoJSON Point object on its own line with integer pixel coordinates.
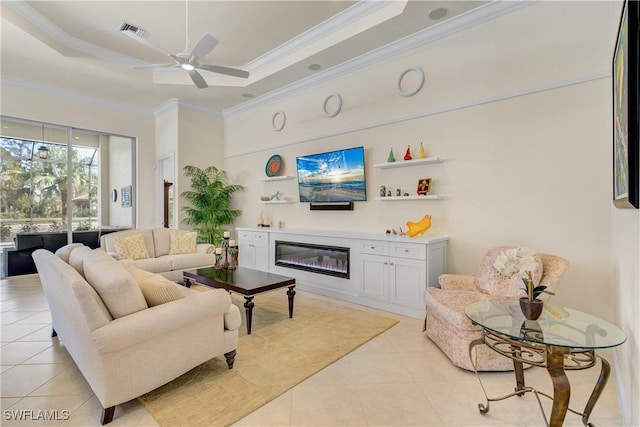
{"type": "Point", "coordinates": [520, 261]}
{"type": "Point", "coordinates": [210, 197]}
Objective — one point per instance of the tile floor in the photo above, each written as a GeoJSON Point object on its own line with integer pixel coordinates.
{"type": "Point", "coordinates": [399, 378]}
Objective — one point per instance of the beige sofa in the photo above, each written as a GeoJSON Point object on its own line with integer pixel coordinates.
{"type": "Point", "coordinates": [123, 347]}
{"type": "Point", "coordinates": [158, 244]}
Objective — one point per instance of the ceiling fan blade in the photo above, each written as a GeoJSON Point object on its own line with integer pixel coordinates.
{"type": "Point", "coordinates": [198, 79]}
{"type": "Point", "coordinates": [204, 46]}
{"type": "Point", "coordinates": [156, 66]}
{"type": "Point", "coordinates": [225, 70]}
{"type": "Point", "coordinates": [147, 43]}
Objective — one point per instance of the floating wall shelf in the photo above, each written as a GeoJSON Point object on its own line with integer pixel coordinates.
{"type": "Point", "coordinates": [274, 202]}
{"type": "Point", "coordinates": [399, 198]}
{"type": "Point", "coordinates": [276, 178]}
{"type": "Point", "coordinates": [405, 163]}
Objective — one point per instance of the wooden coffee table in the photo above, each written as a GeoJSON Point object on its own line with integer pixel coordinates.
{"type": "Point", "coordinates": [244, 281]}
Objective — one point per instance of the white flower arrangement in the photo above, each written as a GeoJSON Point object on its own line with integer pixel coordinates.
{"type": "Point", "coordinates": [519, 261]}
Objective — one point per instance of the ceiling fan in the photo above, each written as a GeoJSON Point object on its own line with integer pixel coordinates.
{"type": "Point", "coordinates": [187, 60]}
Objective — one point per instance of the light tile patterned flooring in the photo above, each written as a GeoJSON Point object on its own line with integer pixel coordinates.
{"type": "Point", "coordinates": [399, 378]}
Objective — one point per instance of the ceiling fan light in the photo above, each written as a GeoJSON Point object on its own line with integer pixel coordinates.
{"type": "Point", "coordinates": [187, 66]}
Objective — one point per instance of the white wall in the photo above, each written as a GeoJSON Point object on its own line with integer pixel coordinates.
{"type": "Point", "coordinates": [193, 137]}
{"type": "Point", "coordinates": [120, 175]}
{"type": "Point", "coordinates": [47, 106]}
{"type": "Point", "coordinates": [626, 290]}
{"type": "Point", "coordinates": [526, 145]}
{"type": "Point", "coordinates": [201, 144]}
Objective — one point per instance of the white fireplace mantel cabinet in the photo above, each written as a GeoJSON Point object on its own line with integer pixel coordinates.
{"type": "Point", "coordinates": [385, 272]}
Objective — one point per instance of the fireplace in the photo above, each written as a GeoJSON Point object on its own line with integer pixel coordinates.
{"type": "Point", "coordinates": [321, 259]}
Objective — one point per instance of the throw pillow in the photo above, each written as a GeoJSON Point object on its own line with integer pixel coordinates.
{"type": "Point", "coordinates": [65, 251]}
{"type": "Point", "coordinates": [155, 288]}
{"type": "Point", "coordinates": [183, 242]}
{"type": "Point", "coordinates": [131, 247]}
{"type": "Point", "coordinates": [117, 289]}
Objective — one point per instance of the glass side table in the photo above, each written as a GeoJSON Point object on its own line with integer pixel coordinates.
{"type": "Point", "coordinates": [561, 339]}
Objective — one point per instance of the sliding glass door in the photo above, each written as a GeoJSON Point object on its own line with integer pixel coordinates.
{"type": "Point", "coordinates": [63, 180]}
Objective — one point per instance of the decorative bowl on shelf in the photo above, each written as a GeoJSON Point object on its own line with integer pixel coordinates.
{"type": "Point", "coordinates": [265, 198]}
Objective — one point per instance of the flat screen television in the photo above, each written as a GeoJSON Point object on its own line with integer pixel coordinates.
{"type": "Point", "coordinates": [335, 176]}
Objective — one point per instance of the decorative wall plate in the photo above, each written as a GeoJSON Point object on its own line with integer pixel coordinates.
{"type": "Point", "coordinates": [418, 85]}
{"type": "Point", "coordinates": [278, 121]}
{"type": "Point", "coordinates": [273, 166]}
{"type": "Point", "coordinates": [332, 105]}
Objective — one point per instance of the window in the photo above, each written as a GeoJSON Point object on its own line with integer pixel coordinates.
{"type": "Point", "coordinates": [56, 178]}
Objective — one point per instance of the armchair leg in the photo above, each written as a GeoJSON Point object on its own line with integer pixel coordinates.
{"type": "Point", "coordinates": [107, 415]}
{"type": "Point", "coordinates": [231, 357]}
{"type": "Point", "coordinates": [53, 333]}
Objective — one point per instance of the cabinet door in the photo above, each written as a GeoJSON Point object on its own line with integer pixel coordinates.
{"type": "Point", "coordinates": [374, 273]}
{"type": "Point", "coordinates": [407, 282]}
{"type": "Point", "coordinates": [246, 255]}
{"type": "Point", "coordinates": [261, 258]}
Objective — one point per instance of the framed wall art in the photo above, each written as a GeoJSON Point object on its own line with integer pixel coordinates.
{"type": "Point", "coordinates": [626, 126]}
{"type": "Point", "coordinates": [125, 196]}
{"type": "Point", "coordinates": [424, 185]}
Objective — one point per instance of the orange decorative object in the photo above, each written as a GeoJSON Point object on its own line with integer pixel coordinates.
{"type": "Point", "coordinates": [407, 155]}
{"type": "Point", "coordinates": [416, 228]}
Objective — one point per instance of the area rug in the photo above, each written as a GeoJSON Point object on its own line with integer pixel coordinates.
{"type": "Point", "coordinates": [279, 354]}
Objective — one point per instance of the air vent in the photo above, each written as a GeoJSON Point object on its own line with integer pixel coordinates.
{"type": "Point", "coordinates": [128, 27]}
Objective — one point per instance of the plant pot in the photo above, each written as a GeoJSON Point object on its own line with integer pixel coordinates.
{"type": "Point", "coordinates": [531, 309]}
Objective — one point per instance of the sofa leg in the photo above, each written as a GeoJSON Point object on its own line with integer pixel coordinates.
{"type": "Point", "coordinates": [107, 415]}
{"type": "Point", "coordinates": [231, 357]}
{"type": "Point", "coordinates": [53, 333]}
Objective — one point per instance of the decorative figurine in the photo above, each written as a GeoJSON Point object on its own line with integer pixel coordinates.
{"type": "Point", "coordinates": [407, 155]}
{"type": "Point", "coordinates": [405, 194]}
{"type": "Point", "coordinates": [416, 228]}
{"type": "Point", "coordinates": [389, 193]}
{"type": "Point", "coordinates": [276, 196]}
{"type": "Point", "coordinates": [391, 157]}
{"type": "Point", "coordinates": [421, 153]}
{"type": "Point", "coordinates": [398, 192]}
{"type": "Point", "coordinates": [383, 191]}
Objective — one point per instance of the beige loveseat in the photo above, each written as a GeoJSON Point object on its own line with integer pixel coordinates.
{"type": "Point", "coordinates": [158, 244]}
{"type": "Point", "coordinates": [123, 347]}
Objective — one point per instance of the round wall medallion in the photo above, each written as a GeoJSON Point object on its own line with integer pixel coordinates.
{"type": "Point", "coordinates": [332, 105]}
{"type": "Point", "coordinates": [418, 84]}
{"type": "Point", "coordinates": [278, 121]}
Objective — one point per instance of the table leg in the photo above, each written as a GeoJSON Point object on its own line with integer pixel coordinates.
{"type": "Point", "coordinates": [561, 386]}
{"type": "Point", "coordinates": [518, 370]}
{"type": "Point", "coordinates": [248, 308]}
{"type": "Point", "coordinates": [187, 282]}
{"type": "Point", "coordinates": [597, 391]}
{"type": "Point", "coordinates": [291, 293]}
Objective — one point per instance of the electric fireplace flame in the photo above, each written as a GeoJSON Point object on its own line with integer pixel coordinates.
{"type": "Point", "coordinates": [320, 259]}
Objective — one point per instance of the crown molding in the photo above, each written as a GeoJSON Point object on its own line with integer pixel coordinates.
{"type": "Point", "coordinates": [40, 21]}
{"type": "Point", "coordinates": [454, 25]}
{"type": "Point", "coordinates": [354, 13]}
{"type": "Point", "coordinates": [11, 82]}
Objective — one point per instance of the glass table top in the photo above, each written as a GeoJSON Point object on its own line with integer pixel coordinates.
{"type": "Point", "coordinates": [558, 326]}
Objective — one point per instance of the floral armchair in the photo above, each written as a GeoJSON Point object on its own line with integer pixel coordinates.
{"type": "Point", "coordinates": [450, 329]}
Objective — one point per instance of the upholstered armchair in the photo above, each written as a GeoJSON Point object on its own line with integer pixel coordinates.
{"type": "Point", "coordinates": [450, 329]}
